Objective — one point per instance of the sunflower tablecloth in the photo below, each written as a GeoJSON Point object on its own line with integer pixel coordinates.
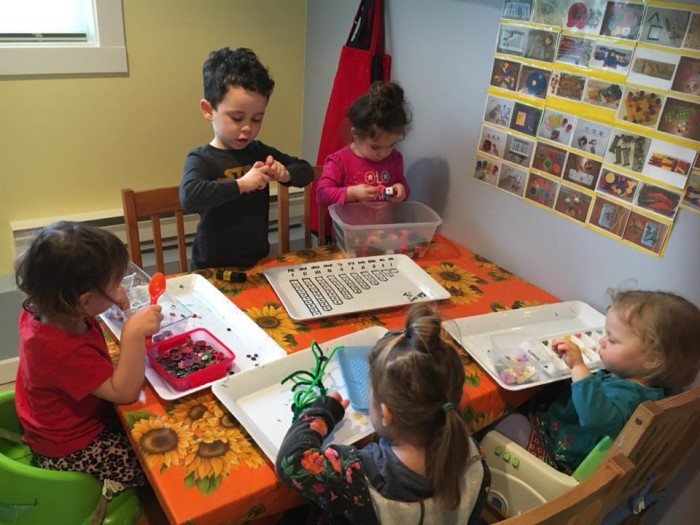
{"type": "Point", "coordinates": [200, 461]}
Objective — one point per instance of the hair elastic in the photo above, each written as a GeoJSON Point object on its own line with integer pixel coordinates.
{"type": "Point", "coordinates": [447, 407]}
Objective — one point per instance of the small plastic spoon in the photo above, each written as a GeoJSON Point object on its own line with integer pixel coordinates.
{"type": "Point", "coordinates": [156, 286]}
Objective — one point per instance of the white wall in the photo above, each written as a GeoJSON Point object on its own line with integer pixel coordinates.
{"type": "Point", "coordinates": [442, 56]}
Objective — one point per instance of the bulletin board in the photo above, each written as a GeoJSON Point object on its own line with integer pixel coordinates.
{"type": "Point", "coordinates": [593, 114]}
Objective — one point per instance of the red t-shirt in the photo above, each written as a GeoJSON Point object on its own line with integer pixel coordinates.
{"type": "Point", "coordinates": [56, 375]}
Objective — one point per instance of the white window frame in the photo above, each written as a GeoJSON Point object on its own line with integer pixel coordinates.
{"type": "Point", "coordinates": [107, 55]}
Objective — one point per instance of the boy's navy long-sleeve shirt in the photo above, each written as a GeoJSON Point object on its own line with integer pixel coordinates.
{"type": "Point", "coordinates": [233, 227]}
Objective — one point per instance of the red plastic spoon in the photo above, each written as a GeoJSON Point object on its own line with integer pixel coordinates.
{"type": "Point", "coordinates": [156, 286]}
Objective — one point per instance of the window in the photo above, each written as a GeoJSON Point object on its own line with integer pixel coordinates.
{"type": "Point", "coordinates": [49, 37]}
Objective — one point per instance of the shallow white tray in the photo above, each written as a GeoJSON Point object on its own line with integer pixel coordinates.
{"type": "Point", "coordinates": [215, 312]}
{"type": "Point", "coordinates": [345, 286]}
{"type": "Point", "coordinates": [260, 402]}
{"type": "Point", "coordinates": [522, 330]}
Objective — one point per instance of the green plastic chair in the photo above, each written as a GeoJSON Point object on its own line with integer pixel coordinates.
{"type": "Point", "coordinates": [34, 496]}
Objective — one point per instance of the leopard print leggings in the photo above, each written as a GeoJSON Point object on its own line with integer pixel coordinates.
{"type": "Point", "coordinates": [108, 456]}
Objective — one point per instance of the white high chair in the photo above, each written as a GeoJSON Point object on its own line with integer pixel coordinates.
{"type": "Point", "coordinates": [656, 439]}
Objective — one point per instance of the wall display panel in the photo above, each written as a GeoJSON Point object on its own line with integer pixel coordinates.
{"type": "Point", "coordinates": [593, 113]}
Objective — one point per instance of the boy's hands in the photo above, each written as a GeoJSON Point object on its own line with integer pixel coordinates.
{"type": "Point", "coordinates": [276, 170]}
{"type": "Point", "coordinates": [144, 322]}
{"type": "Point", "coordinates": [336, 395]}
{"type": "Point", "coordinates": [361, 193]}
{"type": "Point", "coordinates": [399, 193]}
{"type": "Point", "coordinates": [571, 353]}
{"type": "Point", "coordinates": [262, 173]}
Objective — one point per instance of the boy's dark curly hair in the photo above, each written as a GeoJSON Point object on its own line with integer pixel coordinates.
{"type": "Point", "coordinates": [225, 68]}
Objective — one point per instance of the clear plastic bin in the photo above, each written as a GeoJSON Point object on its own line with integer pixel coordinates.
{"type": "Point", "coordinates": [190, 359]}
{"type": "Point", "coordinates": [136, 284]}
{"type": "Point", "coordinates": [379, 228]}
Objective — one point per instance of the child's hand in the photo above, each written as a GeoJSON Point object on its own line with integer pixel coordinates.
{"type": "Point", "coordinates": [255, 179]}
{"type": "Point", "coordinates": [570, 352]}
{"type": "Point", "coordinates": [144, 322]}
{"type": "Point", "coordinates": [399, 193]}
{"type": "Point", "coordinates": [362, 193]}
{"type": "Point", "coordinates": [336, 395]}
{"type": "Point", "coordinates": [276, 170]}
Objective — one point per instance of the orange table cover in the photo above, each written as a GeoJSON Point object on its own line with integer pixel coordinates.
{"type": "Point", "coordinates": [202, 464]}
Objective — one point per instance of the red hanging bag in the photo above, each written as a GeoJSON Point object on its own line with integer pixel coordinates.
{"type": "Point", "coordinates": [362, 61]}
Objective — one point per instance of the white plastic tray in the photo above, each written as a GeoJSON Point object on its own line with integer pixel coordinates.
{"type": "Point", "coordinates": [486, 337]}
{"type": "Point", "coordinates": [345, 286]}
{"type": "Point", "coordinates": [215, 312]}
{"type": "Point", "coordinates": [262, 404]}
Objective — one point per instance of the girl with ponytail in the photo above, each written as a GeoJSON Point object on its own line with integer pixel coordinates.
{"type": "Point", "coordinates": [424, 469]}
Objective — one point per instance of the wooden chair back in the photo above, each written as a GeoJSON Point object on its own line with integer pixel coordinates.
{"type": "Point", "coordinates": [659, 437]}
{"type": "Point", "coordinates": [156, 204]}
{"type": "Point", "coordinates": [283, 216]}
{"type": "Point", "coordinates": [585, 504]}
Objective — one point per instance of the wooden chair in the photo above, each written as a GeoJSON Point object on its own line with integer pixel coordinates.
{"type": "Point", "coordinates": [156, 204]}
{"type": "Point", "coordinates": [283, 216]}
{"type": "Point", "coordinates": [657, 439]}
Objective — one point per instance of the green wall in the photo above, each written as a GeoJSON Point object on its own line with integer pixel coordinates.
{"type": "Point", "coordinates": [68, 144]}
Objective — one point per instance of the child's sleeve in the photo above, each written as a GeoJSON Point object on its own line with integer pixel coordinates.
{"type": "Point", "coordinates": [331, 187]}
{"type": "Point", "coordinates": [333, 477]}
{"type": "Point", "coordinates": [198, 192]}
{"type": "Point", "coordinates": [605, 408]}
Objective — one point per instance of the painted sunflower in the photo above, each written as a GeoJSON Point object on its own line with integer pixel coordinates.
{"type": "Point", "coordinates": [496, 272]}
{"type": "Point", "coordinates": [163, 440]}
{"type": "Point", "coordinates": [461, 284]}
{"type": "Point", "coordinates": [274, 320]}
{"type": "Point", "coordinates": [303, 256]}
{"type": "Point", "coordinates": [200, 412]}
{"type": "Point", "coordinates": [216, 451]}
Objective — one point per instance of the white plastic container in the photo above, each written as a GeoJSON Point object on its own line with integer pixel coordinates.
{"type": "Point", "coordinates": [380, 228]}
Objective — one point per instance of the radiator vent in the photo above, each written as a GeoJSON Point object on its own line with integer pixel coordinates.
{"type": "Point", "coordinates": [113, 221]}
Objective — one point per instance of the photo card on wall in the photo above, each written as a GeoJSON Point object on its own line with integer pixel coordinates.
{"type": "Point", "coordinates": [541, 190]}
{"type": "Point", "coordinates": [609, 215]}
{"type": "Point", "coordinates": [653, 68]}
{"type": "Point", "coordinates": [493, 140]}
{"type": "Point", "coordinates": [512, 179]}
{"type": "Point", "coordinates": [585, 16]}
{"type": "Point", "coordinates": [541, 45]}
{"type": "Point", "coordinates": [603, 93]}
{"type": "Point", "coordinates": [505, 74]}
{"type": "Point", "coordinates": [616, 58]}
{"type": "Point", "coordinates": [487, 170]}
{"type": "Point", "coordinates": [573, 203]}
{"type": "Point", "coordinates": [498, 110]}
{"type": "Point", "coordinates": [582, 170]}
{"type": "Point", "coordinates": [692, 36]}
{"type": "Point", "coordinates": [692, 192]}
{"type": "Point", "coordinates": [669, 163]}
{"type": "Point", "coordinates": [627, 150]}
{"type": "Point", "coordinates": [645, 232]}
{"type": "Point", "coordinates": [575, 50]}
{"type": "Point", "coordinates": [617, 185]}
{"type": "Point", "coordinates": [687, 77]}
{"type": "Point", "coordinates": [517, 10]}
{"type": "Point", "coordinates": [512, 40]}
{"type": "Point", "coordinates": [664, 27]}
{"type": "Point", "coordinates": [591, 137]}
{"type": "Point", "coordinates": [548, 12]}
{"type": "Point", "coordinates": [658, 200]}
{"type": "Point", "coordinates": [641, 106]}
{"type": "Point", "coordinates": [557, 126]}
{"type": "Point", "coordinates": [681, 118]}
{"type": "Point", "coordinates": [533, 81]}
{"type": "Point", "coordinates": [526, 119]}
{"type": "Point", "coordinates": [549, 158]}
{"type": "Point", "coordinates": [622, 20]}
{"type": "Point", "coordinates": [519, 150]}
{"type": "Point", "coordinates": [567, 85]}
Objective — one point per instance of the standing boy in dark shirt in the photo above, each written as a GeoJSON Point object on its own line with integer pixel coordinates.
{"type": "Point", "coordinates": [226, 181]}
